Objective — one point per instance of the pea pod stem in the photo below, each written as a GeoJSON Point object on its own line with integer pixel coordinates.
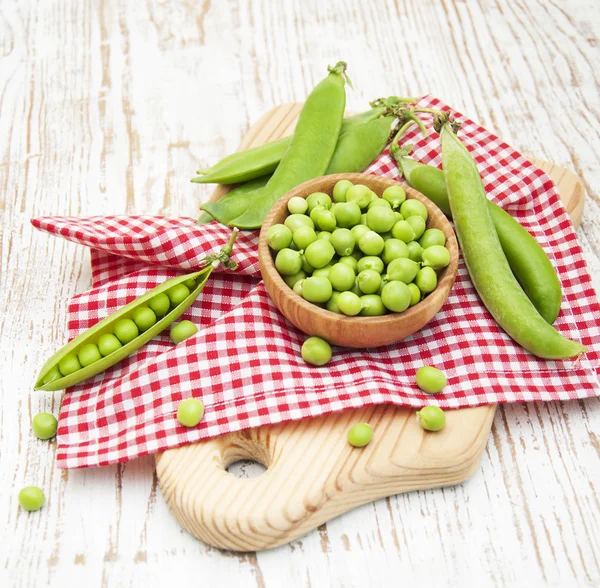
{"type": "Point", "coordinates": [484, 258]}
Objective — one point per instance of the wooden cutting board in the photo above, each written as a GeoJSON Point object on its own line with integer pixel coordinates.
{"type": "Point", "coordinates": [313, 474]}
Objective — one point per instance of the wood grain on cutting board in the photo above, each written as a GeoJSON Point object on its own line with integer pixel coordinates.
{"type": "Point", "coordinates": [313, 474]}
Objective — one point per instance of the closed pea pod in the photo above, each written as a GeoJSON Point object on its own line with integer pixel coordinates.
{"type": "Point", "coordinates": [528, 261]}
{"type": "Point", "coordinates": [316, 134]}
{"type": "Point", "coordinates": [485, 260]}
{"type": "Point", "coordinates": [108, 344]}
{"type": "Point", "coordinates": [262, 160]}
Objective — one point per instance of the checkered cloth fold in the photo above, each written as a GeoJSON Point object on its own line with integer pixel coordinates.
{"type": "Point", "coordinates": [245, 362]}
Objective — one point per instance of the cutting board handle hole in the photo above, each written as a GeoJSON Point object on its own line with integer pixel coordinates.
{"type": "Point", "coordinates": [246, 468]}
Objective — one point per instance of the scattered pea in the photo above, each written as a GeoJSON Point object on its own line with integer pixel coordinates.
{"type": "Point", "coordinates": [395, 195]}
{"type": "Point", "coordinates": [291, 280]}
{"type": "Point", "coordinates": [304, 236]}
{"type": "Point", "coordinates": [432, 237]}
{"type": "Point", "coordinates": [182, 331]}
{"type": "Point", "coordinates": [316, 289]}
{"type": "Point", "coordinates": [360, 194]}
{"type": "Point", "coordinates": [426, 280]}
{"type": "Point", "coordinates": [360, 435]}
{"type": "Point", "coordinates": [326, 220]}
{"type": "Point", "coordinates": [316, 351]}
{"type": "Point", "coordinates": [190, 412]}
{"type": "Point", "coordinates": [413, 207]}
{"type": "Point", "coordinates": [340, 190]}
{"type": "Point", "coordinates": [44, 425]}
{"type": "Point", "coordinates": [430, 379]}
{"type": "Point", "coordinates": [396, 296]}
{"type": "Point", "coordinates": [278, 237]}
{"type": "Point", "coordinates": [31, 498]}
{"type": "Point", "coordinates": [349, 303]}
{"type": "Point", "coordinates": [318, 199]}
{"type": "Point", "coordinates": [294, 221]}
{"type": "Point", "coordinates": [288, 262]}
{"type": "Point", "coordinates": [432, 418]}
{"type": "Point", "coordinates": [436, 256]}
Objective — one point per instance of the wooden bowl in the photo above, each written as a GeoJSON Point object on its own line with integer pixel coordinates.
{"type": "Point", "coordinates": [357, 332]}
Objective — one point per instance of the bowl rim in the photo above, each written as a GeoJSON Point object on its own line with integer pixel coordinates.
{"type": "Point", "coordinates": [447, 279]}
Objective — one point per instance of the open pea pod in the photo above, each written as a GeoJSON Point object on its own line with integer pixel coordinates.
{"type": "Point", "coordinates": [50, 377]}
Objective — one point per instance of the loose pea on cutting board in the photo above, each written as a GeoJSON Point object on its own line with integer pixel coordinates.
{"type": "Point", "coordinates": [313, 473]}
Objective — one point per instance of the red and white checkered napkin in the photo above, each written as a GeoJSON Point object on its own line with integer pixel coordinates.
{"type": "Point", "coordinates": [245, 362]}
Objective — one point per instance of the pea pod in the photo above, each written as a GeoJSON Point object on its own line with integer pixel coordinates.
{"type": "Point", "coordinates": [262, 160]}
{"type": "Point", "coordinates": [310, 150]}
{"type": "Point", "coordinates": [526, 258]}
{"type": "Point", "coordinates": [355, 150]}
{"type": "Point", "coordinates": [486, 263]}
{"type": "Point", "coordinates": [50, 377]}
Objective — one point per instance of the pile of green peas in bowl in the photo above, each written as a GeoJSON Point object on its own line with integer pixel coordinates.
{"type": "Point", "coordinates": [357, 253]}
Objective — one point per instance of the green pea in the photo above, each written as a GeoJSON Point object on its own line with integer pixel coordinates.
{"type": "Point", "coordinates": [69, 364]}
{"type": "Point", "coordinates": [326, 220]}
{"type": "Point", "coordinates": [342, 276]}
{"type": "Point", "coordinates": [380, 219]}
{"type": "Point", "coordinates": [322, 272]}
{"type": "Point", "coordinates": [318, 199]}
{"type": "Point", "coordinates": [418, 225]}
{"type": "Point", "coordinates": [349, 260]}
{"type": "Point", "coordinates": [379, 202]}
{"type": "Point", "coordinates": [360, 194]}
{"type": "Point", "coordinates": [343, 242]}
{"type": "Point", "coordinates": [372, 305]}
{"type": "Point", "coordinates": [331, 304]}
{"type": "Point", "coordinates": [315, 212]}
{"type": "Point", "coordinates": [415, 294]}
{"type": "Point", "coordinates": [52, 375]}
{"type": "Point", "coordinates": [436, 256]}
{"type": "Point", "coordinates": [325, 235]}
{"type": "Point", "coordinates": [430, 379]}
{"type": "Point", "coordinates": [126, 330]}
{"type": "Point", "coordinates": [371, 243]}
{"type": "Point", "coordinates": [413, 207]}
{"type": "Point", "coordinates": [177, 294]}
{"type": "Point", "coordinates": [306, 267]}
{"type": "Point", "coordinates": [415, 251]}
{"type": "Point", "coordinates": [399, 217]}
{"type": "Point", "coordinates": [432, 418]}
{"type": "Point", "coordinates": [278, 237]}
{"type": "Point", "coordinates": [297, 205]}
{"type": "Point", "coordinates": [396, 296]}
{"type": "Point", "coordinates": [349, 303]}
{"type": "Point", "coordinates": [316, 289]}
{"type": "Point", "coordinates": [44, 425]}
{"type": "Point", "coordinates": [403, 230]}
{"type": "Point", "coordinates": [432, 237]}
{"type": "Point", "coordinates": [295, 221]}
{"type": "Point", "coordinates": [393, 249]}
{"type": "Point", "coordinates": [291, 280]}
{"type": "Point", "coordinates": [355, 289]}
{"type": "Point", "coordinates": [108, 343]}
{"type": "Point", "coordinates": [371, 262]}
{"type": "Point", "coordinates": [161, 304]}
{"type": "Point", "coordinates": [359, 230]}
{"type": "Point", "coordinates": [190, 412]}
{"type": "Point", "coordinates": [144, 318]}
{"type": "Point", "coordinates": [319, 253]}
{"type": "Point", "coordinates": [402, 269]}
{"type": "Point", "coordinates": [395, 195]}
{"type": "Point", "coordinates": [299, 285]}
{"type": "Point", "coordinates": [182, 331]}
{"type": "Point", "coordinates": [363, 219]}
{"type": "Point", "coordinates": [340, 190]}
{"type": "Point", "coordinates": [360, 435]}
{"type": "Point", "coordinates": [88, 354]}
{"type": "Point", "coordinates": [190, 283]}
{"type": "Point", "coordinates": [426, 280]}
{"type": "Point", "coordinates": [288, 262]}
{"type": "Point", "coordinates": [31, 498]}
{"type": "Point", "coordinates": [304, 236]}
{"type": "Point", "coordinates": [347, 214]}
{"type": "Point", "coordinates": [316, 351]}
{"type": "Point", "coordinates": [369, 281]}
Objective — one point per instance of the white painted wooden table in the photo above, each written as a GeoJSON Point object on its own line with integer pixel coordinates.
{"type": "Point", "coordinates": [109, 106]}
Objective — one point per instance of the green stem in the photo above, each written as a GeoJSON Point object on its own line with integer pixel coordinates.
{"type": "Point", "coordinates": [412, 116]}
{"type": "Point", "coordinates": [340, 69]}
